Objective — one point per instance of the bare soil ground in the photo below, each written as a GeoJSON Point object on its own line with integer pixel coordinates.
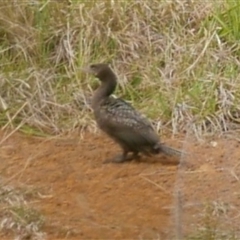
{"type": "Point", "coordinates": [82, 198]}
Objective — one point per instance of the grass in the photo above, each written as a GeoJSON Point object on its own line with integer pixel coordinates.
{"type": "Point", "coordinates": [177, 62]}
{"type": "Point", "coordinates": [211, 219]}
{"type": "Point", "coordinates": [17, 216]}
{"type": "Point", "coordinates": [179, 57]}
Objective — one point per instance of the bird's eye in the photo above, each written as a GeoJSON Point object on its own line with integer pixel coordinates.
{"type": "Point", "coordinates": [93, 66]}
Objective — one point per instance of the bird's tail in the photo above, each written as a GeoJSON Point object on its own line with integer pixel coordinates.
{"type": "Point", "coordinates": [167, 150]}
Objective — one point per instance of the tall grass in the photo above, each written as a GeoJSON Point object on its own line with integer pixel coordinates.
{"type": "Point", "coordinates": [177, 62]}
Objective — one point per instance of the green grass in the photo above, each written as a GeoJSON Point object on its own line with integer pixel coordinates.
{"type": "Point", "coordinates": [17, 216]}
{"type": "Point", "coordinates": [177, 62]}
{"type": "Point", "coordinates": [211, 220]}
{"type": "Point", "coordinates": [167, 55]}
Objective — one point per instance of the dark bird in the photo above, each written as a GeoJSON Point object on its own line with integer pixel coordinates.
{"type": "Point", "coordinates": [120, 121]}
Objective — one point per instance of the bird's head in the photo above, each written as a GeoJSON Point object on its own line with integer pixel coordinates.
{"type": "Point", "coordinates": [100, 70]}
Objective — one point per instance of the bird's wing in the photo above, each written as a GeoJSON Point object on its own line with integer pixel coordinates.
{"type": "Point", "coordinates": [121, 117]}
{"type": "Point", "coordinates": [121, 113]}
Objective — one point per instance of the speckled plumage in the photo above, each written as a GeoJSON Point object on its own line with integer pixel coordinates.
{"type": "Point", "coordinates": [129, 128]}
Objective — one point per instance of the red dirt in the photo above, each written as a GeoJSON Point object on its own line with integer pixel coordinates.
{"type": "Point", "coordinates": [82, 198]}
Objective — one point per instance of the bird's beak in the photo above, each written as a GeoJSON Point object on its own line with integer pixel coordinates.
{"type": "Point", "coordinates": [87, 70]}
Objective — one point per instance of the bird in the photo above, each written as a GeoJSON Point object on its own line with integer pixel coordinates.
{"type": "Point", "coordinates": [129, 128]}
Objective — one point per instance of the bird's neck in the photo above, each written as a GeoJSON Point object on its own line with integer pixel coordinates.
{"type": "Point", "coordinates": [107, 87]}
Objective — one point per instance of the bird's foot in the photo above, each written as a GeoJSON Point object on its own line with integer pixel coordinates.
{"type": "Point", "coordinates": [122, 158]}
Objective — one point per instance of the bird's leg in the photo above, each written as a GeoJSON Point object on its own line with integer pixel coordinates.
{"type": "Point", "coordinates": [120, 158]}
{"type": "Point", "coordinates": [135, 156]}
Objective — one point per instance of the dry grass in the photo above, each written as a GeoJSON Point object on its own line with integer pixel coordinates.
{"type": "Point", "coordinates": [179, 57]}
{"type": "Point", "coordinates": [17, 216]}
{"type": "Point", "coordinates": [212, 215]}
